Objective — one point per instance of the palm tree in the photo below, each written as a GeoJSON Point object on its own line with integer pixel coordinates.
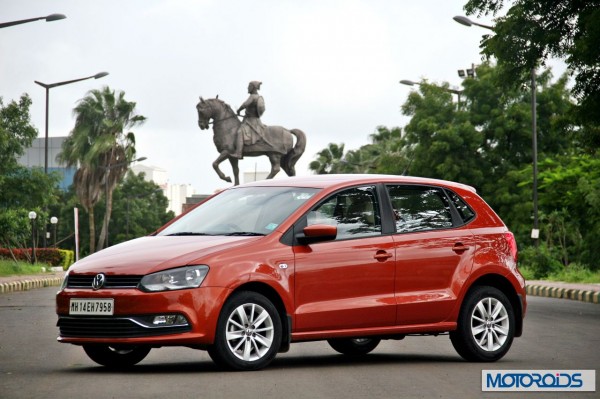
{"type": "Point", "coordinates": [102, 148]}
{"type": "Point", "coordinates": [328, 159]}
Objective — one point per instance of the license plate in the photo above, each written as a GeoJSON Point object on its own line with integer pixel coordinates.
{"type": "Point", "coordinates": [96, 307]}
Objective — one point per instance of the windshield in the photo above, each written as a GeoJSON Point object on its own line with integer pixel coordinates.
{"type": "Point", "coordinates": [242, 211]}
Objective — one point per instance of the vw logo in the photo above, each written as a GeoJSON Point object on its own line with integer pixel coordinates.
{"type": "Point", "coordinates": [98, 281]}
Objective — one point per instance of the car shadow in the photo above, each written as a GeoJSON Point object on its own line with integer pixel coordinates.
{"type": "Point", "coordinates": [294, 362]}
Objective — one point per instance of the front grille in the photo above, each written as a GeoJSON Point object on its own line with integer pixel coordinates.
{"type": "Point", "coordinates": [111, 327]}
{"type": "Point", "coordinates": [85, 281]}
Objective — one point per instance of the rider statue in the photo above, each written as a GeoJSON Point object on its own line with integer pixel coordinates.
{"type": "Point", "coordinates": [252, 129]}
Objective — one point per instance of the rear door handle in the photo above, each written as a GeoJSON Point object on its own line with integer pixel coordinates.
{"type": "Point", "coordinates": [382, 255]}
{"type": "Point", "coordinates": [459, 248]}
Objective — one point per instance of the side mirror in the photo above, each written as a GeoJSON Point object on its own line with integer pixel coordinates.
{"type": "Point", "coordinates": [317, 233]}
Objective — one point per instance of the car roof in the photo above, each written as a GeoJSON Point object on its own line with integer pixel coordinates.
{"type": "Point", "coordinates": [333, 180]}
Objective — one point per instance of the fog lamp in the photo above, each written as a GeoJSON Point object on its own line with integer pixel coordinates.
{"type": "Point", "coordinates": [169, 320]}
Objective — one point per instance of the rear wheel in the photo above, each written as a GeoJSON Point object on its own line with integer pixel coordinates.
{"type": "Point", "coordinates": [248, 333]}
{"type": "Point", "coordinates": [486, 326]}
{"type": "Point", "coordinates": [116, 356]}
{"type": "Point", "coordinates": [354, 346]}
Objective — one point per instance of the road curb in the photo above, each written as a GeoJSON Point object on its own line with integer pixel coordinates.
{"type": "Point", "coordinates": [28, 284]}
{"type": "Point", "coordinates": [547, 291]}
{"type": "Point", "coordinates": [563, 293]}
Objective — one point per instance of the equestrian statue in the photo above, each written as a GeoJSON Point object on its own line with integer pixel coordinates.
{"type": "Point", "coordinates": [235, 139]}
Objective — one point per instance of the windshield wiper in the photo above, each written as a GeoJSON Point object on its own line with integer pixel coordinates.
{"type": "Point", "coordinates": [243, 233]}
{"type": "Point", "coordinates": [189, 233]}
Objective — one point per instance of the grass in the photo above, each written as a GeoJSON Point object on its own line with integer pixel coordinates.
{"type": "Point", "coordinates": [572, 274]}
{"type": "Point", "coordinates": [10, 268]}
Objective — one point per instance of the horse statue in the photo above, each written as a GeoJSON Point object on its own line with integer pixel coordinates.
{"type": "Point", "coordinates": [277, 143]}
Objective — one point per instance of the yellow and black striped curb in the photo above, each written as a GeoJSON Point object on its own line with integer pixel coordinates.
{"type": "Point", "coordinates": [25, 285]}
{"type": "Point", "coordinates": [564, 293]}
{"type": "Point", "coordinates": [534, 290]}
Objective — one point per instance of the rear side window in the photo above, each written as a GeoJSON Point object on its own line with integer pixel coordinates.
{"type": "Point", "coordinates": [419, 208]}
{"type": "Point", "coordinates": [464, 211]}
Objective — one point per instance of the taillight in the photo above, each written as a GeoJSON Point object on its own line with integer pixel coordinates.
{"type": "Point", "coordinates": [512, 245]}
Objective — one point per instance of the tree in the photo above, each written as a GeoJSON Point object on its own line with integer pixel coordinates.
{"type": "Point", "coordinates": [533, 30]}
{"type": "Point", "coordinates": [140, 207]}
{"type": "Point", "coordinates": [328, 159]}
{"type": "Point", "coordinates": [21, 189]}
{"type": "Point", "coordinates": [16, 132]}
{"type": "Point", "coordinates": [102, 148]}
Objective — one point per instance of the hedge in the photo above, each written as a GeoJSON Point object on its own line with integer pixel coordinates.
{"type": "Point", "coordinates": [51, 256]}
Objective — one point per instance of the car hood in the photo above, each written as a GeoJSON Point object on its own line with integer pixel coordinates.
{"type": "Point", "coordinates": [153, 253]}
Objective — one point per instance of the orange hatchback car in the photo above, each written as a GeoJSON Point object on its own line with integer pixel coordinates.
{"type": "Point", "coordinates": [351, 259]}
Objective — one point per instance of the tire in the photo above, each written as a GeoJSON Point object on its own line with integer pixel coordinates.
{"type": "Point", "coordinates": [486, 326]}
{"type": "Point", "coordinates": [354, 346]}
{"type": "Point", "coordinates": [248, 333]}
{"type": "Point", "coordinates": [116, 356]}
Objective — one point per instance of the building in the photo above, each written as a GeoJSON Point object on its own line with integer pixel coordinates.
{"type": "Point", "coordinates": [175, 193]}
{"type": "Point", "coordinates": [34, 158]}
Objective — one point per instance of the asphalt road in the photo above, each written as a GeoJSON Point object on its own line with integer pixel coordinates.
{"type": "Point", "coordinates": [559, 334]}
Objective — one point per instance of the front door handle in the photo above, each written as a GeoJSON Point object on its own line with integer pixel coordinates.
{"type": "Point", "coordinates": [459, 248]}
{"type": "Point", "coordinates": [382, 255]}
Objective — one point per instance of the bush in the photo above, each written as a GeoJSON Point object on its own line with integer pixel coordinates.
{"type": "Point", "coordinates": [68, 258]}
{"type": "Point", "coordinates": [539, 262]}
{"type": "Point", "coordinates": [50, 256]}
{"type": "Point", "coordinates": [576, 273]}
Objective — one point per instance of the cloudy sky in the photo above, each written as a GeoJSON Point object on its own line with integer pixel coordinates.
{"type": "Point", "coordinates": [329, 67]}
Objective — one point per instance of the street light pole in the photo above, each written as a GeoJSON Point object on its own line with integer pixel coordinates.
{"type": "Point", "coordinates": [48, 87]}
{"type": "Point", "coordinates": [535, 232]}
{"type": "Point", "coordinates": [54, 221]}
{"type": "Point", "coordinates": [32, 216]}
{"type": "Point", "coordinates": [46, 139]}
{"type": "Point", "coordinates": [49, 18]}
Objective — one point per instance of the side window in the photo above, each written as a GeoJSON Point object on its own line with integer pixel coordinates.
{"type": "Point", "coordinates": [419, 208]}
{"type": "Point", "coordinates": [355, 213]}
{"type": "Point", "coordinates": [465, 212]}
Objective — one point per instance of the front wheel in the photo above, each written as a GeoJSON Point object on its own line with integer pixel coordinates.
{"type": "Point", "coordinates": [248, 333]}
{"type": "Point", "coordinates": [486, 326]}
{"type": "Point", "coordinates": [116, 356]}
{"type": "Point", "coordinates": [354, 346]}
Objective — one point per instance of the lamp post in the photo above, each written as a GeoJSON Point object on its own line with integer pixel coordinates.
{"type": "Point", "coordinates": [535, 232]}
{"type": "Point", "coordinates": [49, 18]}
{"type": "Point", "coordinates": [48, 87]}
{"type": "Point", "coordinates": [32, 216]}
{"type": "Point", "coordinates": [54, 221]}
{"type": "Point", "coordinates": [454, 91]}
{"type": "Point", "coordinates": [108, 168]}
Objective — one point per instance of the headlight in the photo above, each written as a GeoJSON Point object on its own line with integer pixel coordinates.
{"type": "Point", "coordinates": [63, 285]}
{"type": "Point", "coordinates": [174, 279]}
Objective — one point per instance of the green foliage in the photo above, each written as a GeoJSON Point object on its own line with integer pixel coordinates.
{"type": "Point", "coordinates": [102, 148]}
{"type": "Point", "coordinates": [12, 268]}
{"type": "Point", "coordinates": [16, 132]}
{"type": "Point", "coordinates": [533, 31]}
{"type": "Point", "coordinates": [50, 256]}
{"type": "Point", "coordinates": [15, 228]}
{"type": "Point", "coordinates": [539, 262]}
{"type": "Point", "coordinates": [576, 273]}
{"type": "Point", "coordinates": [67, 258]}
{"type": "Point", "coordinates": [486, 142]}
{"type": "Point", "coordinates": [139, 209]}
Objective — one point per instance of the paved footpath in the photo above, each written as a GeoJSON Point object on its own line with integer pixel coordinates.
{"type": "Point", "coordinates": [551, 289]}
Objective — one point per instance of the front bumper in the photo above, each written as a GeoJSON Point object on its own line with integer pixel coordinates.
{"type": "Point", "coordinates": [134, 310]}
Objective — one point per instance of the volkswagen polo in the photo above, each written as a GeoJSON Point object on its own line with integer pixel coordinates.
{"type": "Point", "coordinates": [350, 259]}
